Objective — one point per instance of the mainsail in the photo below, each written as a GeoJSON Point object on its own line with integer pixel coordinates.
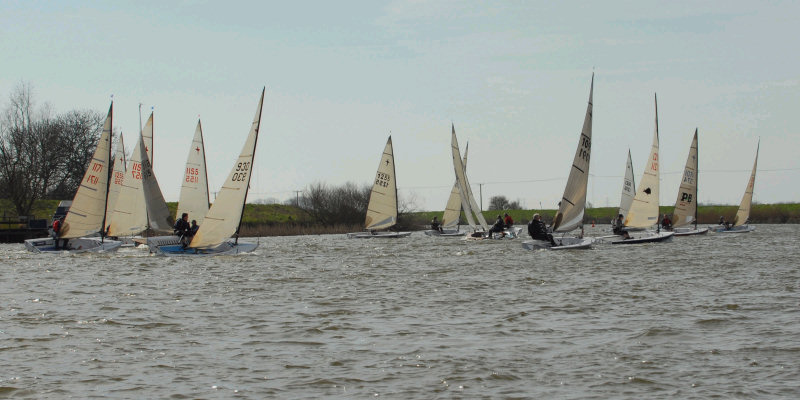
{"type": "Point", "coordinates": [223, 218]}
{"type": "Point", "coordinates": [467, 199]}
{"type": "Point", "coordinates": [686, 205]}
{"type": "Point", "coordinates": [157, 212]}
{"type": "Point", "coordinates": [628, 188]}
{"type": "Point", "coordinates": [194, 189]}
{"type": "Point", "coordinates": [644, 210]}
{"type": "Point", "coordinates": [743, 214]}
{"type": "Point", "coordinates": [117, 177]}
{"type": "Point", "coordinates": [130, 212]}
{"type": "Point", "coordinates": [452, 211]}
{"type": "Point", "coordinates": [573, 202]}
{"type": "Point", "coordinates": [382, 207]}
{"type": "Point", "coordinates": [87, 214]}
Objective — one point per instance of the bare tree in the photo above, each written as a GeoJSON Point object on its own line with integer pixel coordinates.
{"type": "Point", "coordinates": [346, 204]}
{"type": "Point", "coordinates": [502, 203]}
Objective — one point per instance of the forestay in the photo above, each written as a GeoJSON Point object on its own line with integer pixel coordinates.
{"type": "Point", "coordinates": [644, 210]}
{"type": "Point", "coordinates": [573, 202]}
{"type": "Point", "coordinates": [743, 214]}
{"type": "Point", "coordinates": [686, 204]}
{"type": "Point", "coordinates": [87, 213]}
{"type": "Point", "coordinates": [194, 197]}
{"type": "Point", "coordinates": [223, 218]}
{"type": "Point", "coordinates": [382, 207]}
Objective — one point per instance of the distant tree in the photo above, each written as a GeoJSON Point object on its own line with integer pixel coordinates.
{"type": "Point", "coordinates": [42, 156]}
{"type": "Point", "coordinates": [502, 203]}
{"type": "Point", "coordinates": [346, 204]}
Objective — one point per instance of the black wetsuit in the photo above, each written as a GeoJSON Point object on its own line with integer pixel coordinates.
{"type": "Point", "coordinates": [538, 231]}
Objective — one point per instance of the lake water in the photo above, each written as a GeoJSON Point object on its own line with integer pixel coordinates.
{"type": "Point", "coordinates": [714, 316]}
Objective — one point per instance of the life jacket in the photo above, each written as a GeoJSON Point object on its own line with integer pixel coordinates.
{"type": "Point", "coordinates": [56, 225]}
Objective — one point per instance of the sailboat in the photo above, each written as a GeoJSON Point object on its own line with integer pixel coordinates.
{"type": "Point", "coordinates": [644, 210]}
{"type": "Point", "coordinates": [452, 211]}
{"type": "Point", "coordinates": [382, 207]}
{"type": "Point", "coordinates": [573, 203]}
{"type": "Point", "coordinates": [82, 228]}
{"type": "Point", "coordinates": [224, 218]}
{"type": "Point", "coordinates": [194, 196]}
{"type": "Point", "coordinates": [685, 213]}
{"type": "Point", "coordinates": [740, 221]}
{"type": "Point", "coordinates": [117, 177]}
{"type": "Point", "coordinates": [140, 205]}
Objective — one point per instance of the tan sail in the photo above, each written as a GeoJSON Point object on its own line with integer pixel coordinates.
{"type": "Point", "coordinates": [644, 210]}
{"type": "Point", "coordinates": [157, 212]}
{"type": "Point", "coordinates": [382, 208]}
{"type": "Point", "coordinates": [452, 210]}
{"type": "Point", "coordinates": [573, 202]}
{"type": "Point", "coordinates": [686, 203]}
{"type": "Point", "coordinates": [194, 198]}
{"type": "Point", "coordinates": [117, 177]}
{"type": "Point", "coordinates": [85, 216]}
{"type": "Point", "coordinates": [468, 199]}
{"type": "Point", "coordinates": [223, 218]}
{"type": "Point", "coordinates": [628, 188]}
{"type": "Point", "coordinates": [130, 212]}
{"type": "Point", "coordinates": [743, 214]}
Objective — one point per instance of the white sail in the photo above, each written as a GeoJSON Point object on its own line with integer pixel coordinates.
{"type": "Point", "coordinates": [573, 203]}
{"type": "Point", "coordinates": [194, 188]}
{"type": "Point", "coordinates": [743, 214]}
{"type": "Point", "coordinates": [147, 135]}
{"type": "Point", "coordinates": [686, 204]}
{"type": "Point", "coordinates": [628, 188]}
{"type": "Point", "coordinates": [130, 212]}
{"type": "Point", "coordinates": [117, 177]}
{"type": "Point", "coordinates": [382, 207]}
{"type": "Point", "coordinates": [85, 216]}
{"type": "Point", "coordinates": [452, 210]}
{"type": "Point", "coordinates": [468, 199]}
{"type": "Point", "coordinates": [157, 211]}
{"type": "Point", "coordinates": [644, 210]}
{"type": "Point", "coordinates": [223, 218]}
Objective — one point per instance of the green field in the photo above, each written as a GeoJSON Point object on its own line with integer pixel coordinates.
{"type": "Point", "coordinates": [279, 219]}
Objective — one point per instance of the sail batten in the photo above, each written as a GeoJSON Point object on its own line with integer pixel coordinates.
{"type": "Point", "coordinates": [573, 203]}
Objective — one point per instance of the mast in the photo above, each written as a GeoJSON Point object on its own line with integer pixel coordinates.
{"type": "Point", "coordinates": [108, 173]}
{"type": "Point", "coordinates": [252, 164]}
{"type": "Point", "coordinates": [696, 180]}
{"type": "Point", "coordinates": [205, 165]}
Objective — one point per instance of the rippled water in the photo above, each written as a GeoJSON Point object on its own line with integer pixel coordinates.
{"type": "Point", "coordinates": [715, 316]}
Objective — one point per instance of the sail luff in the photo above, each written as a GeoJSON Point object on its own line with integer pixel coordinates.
{"type": "Point", "coordinates": [743, 213]}
{"type": "Point", "coordinates": [686, 204]}
{"type": "Point", "coordinates": [573, 202]}
{"type": "Point", "coordinates": [87, 214]}
{"type": "Point", "coordinates": [644, 210]}
{"type": "Point", "coordinates": [225, 215]}
{"type": "Point", "coordinates": [382, 207]}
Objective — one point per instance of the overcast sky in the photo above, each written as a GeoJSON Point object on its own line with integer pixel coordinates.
{"type": "Point", "coordinates": [512, 76]}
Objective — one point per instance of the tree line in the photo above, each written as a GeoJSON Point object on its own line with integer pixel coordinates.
{"type": "Point", "coordinates": [43, 155]}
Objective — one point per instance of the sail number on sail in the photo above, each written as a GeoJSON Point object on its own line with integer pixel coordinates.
{"type": "Point", "coordinates": [93, 179]}
{"type": "Point", "coordinates": [688, 177]}
{"type": "Point", "coordinates": [382, 179]}
{"type": "Point", "coordinates": [586, 147]}
{"type": "Point", "coordinates": [654, 164]}
{"type": "Point", "coordinates": [136, 171]}
{"type": "Point", "coordinates": [192, 175]}
{"type": "Point", "coordinates": [148, 169]}
{"type": "Point", "coordinates": [241, 172]}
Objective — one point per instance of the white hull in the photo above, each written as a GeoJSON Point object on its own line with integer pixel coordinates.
{"type": "Point", "coordinates": [647, 237]}
{"type": "Point", "coordinates": [507, 234]}
{"type": "Point", "coordinates": [226, 248]}
{"type": "Point", "coordinates": [377, 235]}
{"type": "Point", "coordinates": [77, 245]}
{"type": "Point", "coordinates": [564, 243]}
{"type": "Point", "coordinates": [689, 231]}
{"type": "Point", "coordinates": [735, 229]}
{"type": "Point", "coordinates": [446, 233]}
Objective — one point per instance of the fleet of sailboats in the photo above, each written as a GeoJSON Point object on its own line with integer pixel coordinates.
{"type": "Point", "coordinates": [120, 197]}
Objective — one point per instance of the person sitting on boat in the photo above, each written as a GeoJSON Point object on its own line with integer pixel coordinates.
{"type": "Point", "coordinates": [57, 223]}
{"type": "Point", "coordinates": [538, 230]}
{"type": "Point", "coordinates": [617, 225]}
{"type": "Point", "coordinates": [724, 223]}
{"type": "Point", "coordinates": [508, 221]}
{"type": "Point", "coordinates": [498, 226]}
{"type": "Point", "coordinates": [194, 227]}
{"type": "Point", "coordinates": [435, 225]}
{"type": "Point", "coordinates": [183, 229]}
{"type": "Point", "coordinates": [666, 223]}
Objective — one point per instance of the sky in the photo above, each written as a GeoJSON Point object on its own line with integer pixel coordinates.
{"type": "Point", "coordinates": [512, 76]}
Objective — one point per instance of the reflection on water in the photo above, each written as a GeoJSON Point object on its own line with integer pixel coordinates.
{"type": "Point", "coordinates": [322, 316]}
